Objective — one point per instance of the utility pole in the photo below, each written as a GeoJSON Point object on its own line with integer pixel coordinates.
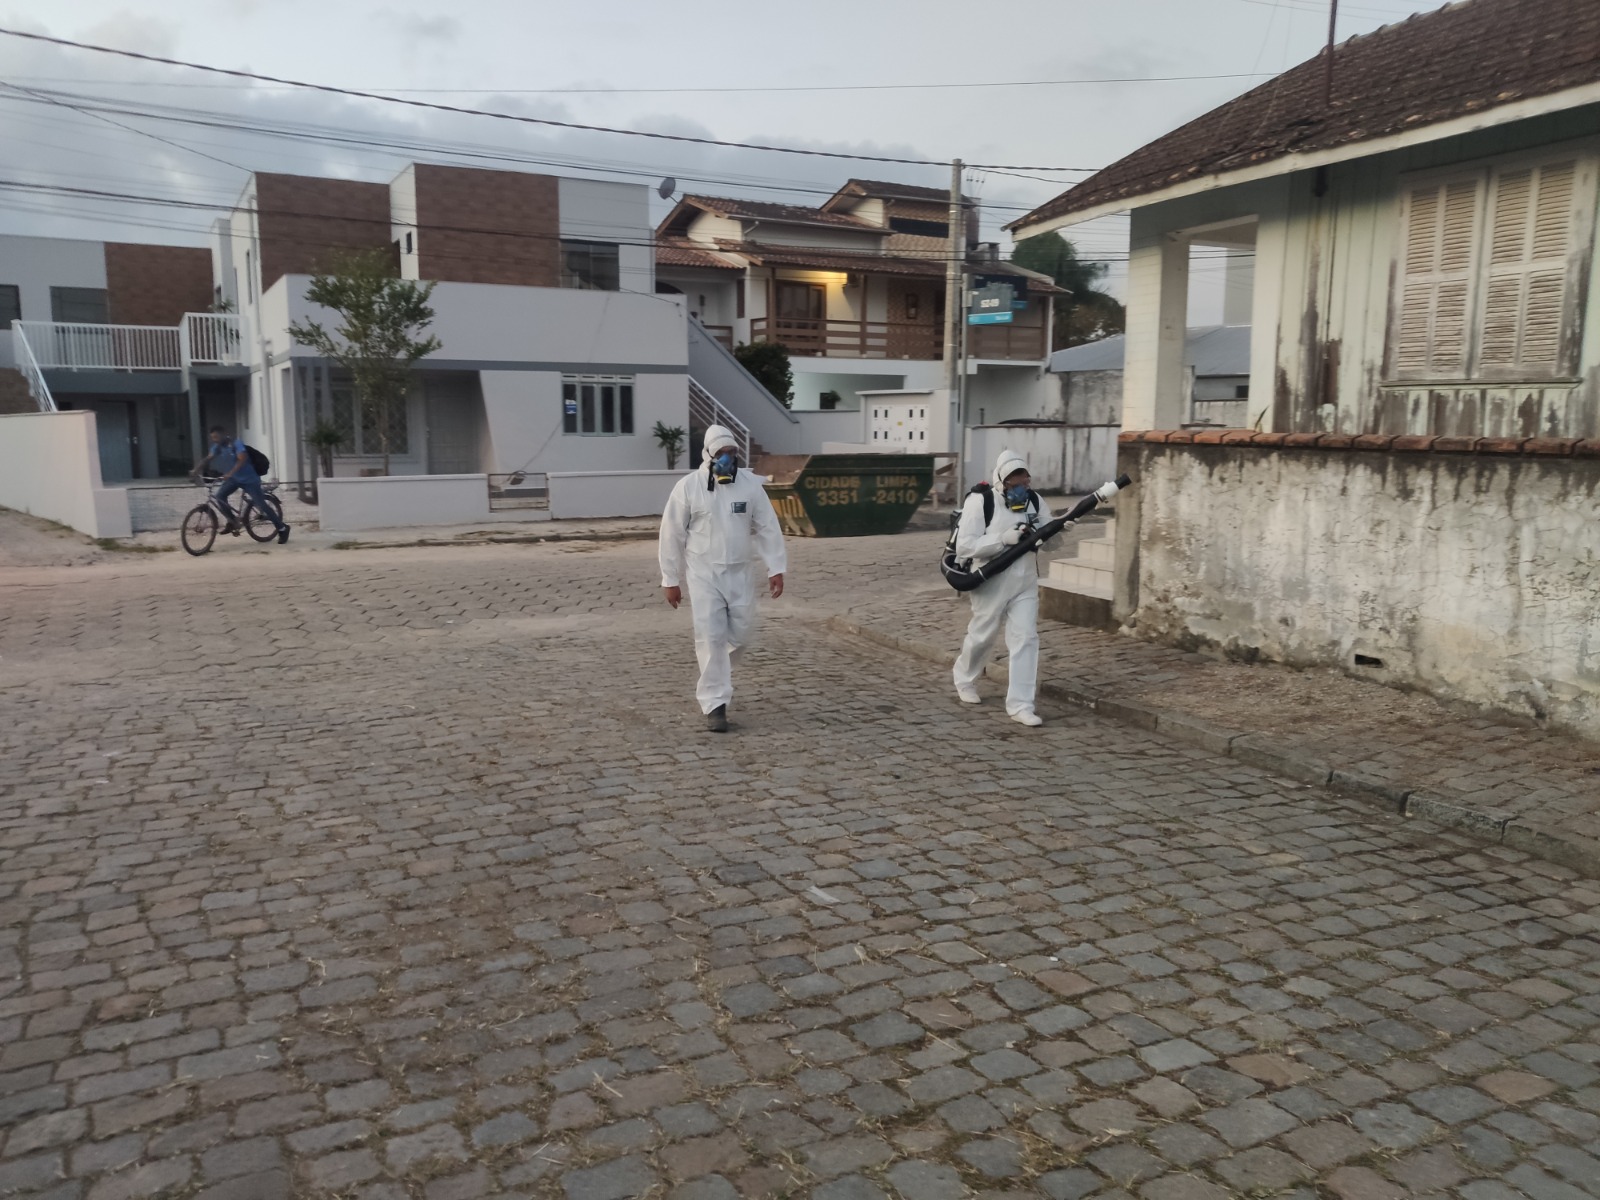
{"type": "Point", "coordinates": [954, 314]}
{"type": "Point", "coordinates": [1327, 78]}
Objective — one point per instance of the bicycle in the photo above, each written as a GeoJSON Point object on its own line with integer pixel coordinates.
{"type": "Point", "coordinates": [201, 523]}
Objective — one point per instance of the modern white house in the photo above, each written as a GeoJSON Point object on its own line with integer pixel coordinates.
{"type": "Point", "coordinates": [558, 356]}
{"type": "Point", "coordinates": [1414, 485]}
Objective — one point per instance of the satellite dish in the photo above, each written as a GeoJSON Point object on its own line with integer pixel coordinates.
{"type": "Point", "coordinates": [666, 187]}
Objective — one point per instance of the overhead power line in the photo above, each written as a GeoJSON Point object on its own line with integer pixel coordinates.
{"type": "Point", "coordinates": [866, 256]}
{"type": "Point", "coordinates": [94, 106]}
{"type": "Point", "coordinates": [696, 91]}
{"type": "Point", "coordinates": [462, 110]}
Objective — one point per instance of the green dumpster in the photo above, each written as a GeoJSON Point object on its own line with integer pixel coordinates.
{"type": "Point", "coordinates": [846, 495]}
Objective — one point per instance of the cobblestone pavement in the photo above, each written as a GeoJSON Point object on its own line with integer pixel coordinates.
{"type": "Point", "coordinates": [412, 874]}
{"type": "Point", "coordinates": [1547, 781]}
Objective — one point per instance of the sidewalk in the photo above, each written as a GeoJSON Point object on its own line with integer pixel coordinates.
{"type": "Point", "coordinates": [1495, 777]}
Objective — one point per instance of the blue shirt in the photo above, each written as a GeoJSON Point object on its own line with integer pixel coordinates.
{"type": "Point", "coordinates": [225, 454]}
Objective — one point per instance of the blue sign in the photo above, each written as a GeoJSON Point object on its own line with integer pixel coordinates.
{"type": "Point", "coordinates": [989, 318]}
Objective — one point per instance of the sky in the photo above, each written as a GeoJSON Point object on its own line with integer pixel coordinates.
{"type": "Point", "coordinates": [705, 71]}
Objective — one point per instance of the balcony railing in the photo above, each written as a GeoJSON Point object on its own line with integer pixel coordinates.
{"type": "Point", "coordinates": [1007, 341]}
{"type": "Point", "coordinates": [204, 338]}
{"type": "Point", "coordinates": [848, 339]}
{"type": "Point", "coordinates": [38, 387]}
{"type": "Point", "coordinates": [211, 339]}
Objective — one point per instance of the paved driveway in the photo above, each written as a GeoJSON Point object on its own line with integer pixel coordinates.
{"type": "Point", "coordinates": [412, 873]}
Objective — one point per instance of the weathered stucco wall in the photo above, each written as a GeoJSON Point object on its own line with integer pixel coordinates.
{"type": "Point", "coordinates": [1467, 567]}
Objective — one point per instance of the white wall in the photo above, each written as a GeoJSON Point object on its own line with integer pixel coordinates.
{"type": "Point", "coordinates": [50, 468]}
{"type": "Point", "coordinates": [1042, 446]}
{"type": "Point", "coordinates": [403, 220]}
{"type": "Point", "coordinates": [524, 414]}
{"type": "Point", "coordinates": [388, 502]}
{"type": "Point", "coordinates": [580, 494]}
{"type": "Point", "coordinates": [35, 265]}
{"type": "Point", "coordinates": [1473, 576]}
{"type": "Point", "coordinates": [996, 394]}
{"type": "Point", "coordinates": [598, 211]}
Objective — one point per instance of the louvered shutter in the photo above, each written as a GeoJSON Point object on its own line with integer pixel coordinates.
{"type": "Point", "coordinates": [1530, 242]}
{"type": "Point", "coordinates": [1431, 334]}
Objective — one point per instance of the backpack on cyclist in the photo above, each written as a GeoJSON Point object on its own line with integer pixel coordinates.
{"type": "Point", "coordinates": [259, 462]}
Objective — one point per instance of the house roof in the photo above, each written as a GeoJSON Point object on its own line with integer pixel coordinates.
{"type": "Point", "coordinates": [761, 210]}
{"type": "Point", "coordinates": [1461, 59]}
{"type": "Point", "coordinates": [833, 260]}
{"type": "Point", "coordinates": [676, 252]}
{"type": "Point", "coordinates": [880, 190]}
{"type": "Point", "coordinates": [1210, 349]}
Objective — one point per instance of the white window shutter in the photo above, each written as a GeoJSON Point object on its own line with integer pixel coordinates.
{"type": "Point", "coordinates": [1433, 326]}
{"type": "Point", "coordinates": [1531, 239]}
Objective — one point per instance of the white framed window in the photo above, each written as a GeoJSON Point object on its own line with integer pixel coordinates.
{"type": "Point", "coordinates": [360, 424]}
{"type": "Point", "coordinates": [1492, 270]}
{"type": "Point", "coordinates": [597, 405]}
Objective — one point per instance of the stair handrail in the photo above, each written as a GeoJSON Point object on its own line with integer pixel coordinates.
{"type": "Point", "coordinates": [28, 364]}
{"type": "Point", "coordinates": [710, 407]}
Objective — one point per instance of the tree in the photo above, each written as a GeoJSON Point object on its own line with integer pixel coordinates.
{"type": "Point", "coordinates": [378, 340]}
{"type": "Point", "coordinates": [1088, 314]}
{"type": "Point", "coordinates": [769, 363]}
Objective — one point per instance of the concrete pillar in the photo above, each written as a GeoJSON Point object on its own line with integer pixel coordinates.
{"type": "Point", "coordinates": [1153, 390]}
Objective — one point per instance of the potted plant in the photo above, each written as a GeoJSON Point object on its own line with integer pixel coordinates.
{"type": "Point", "coordinates": [324, 438]}
{"type": "Point", "coordinates": [670, 439]}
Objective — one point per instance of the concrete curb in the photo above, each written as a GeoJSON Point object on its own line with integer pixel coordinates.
{"type": "Point", "coordinates": [1264, 751]}
{"type": "Point", "coordinates": [510, 539]}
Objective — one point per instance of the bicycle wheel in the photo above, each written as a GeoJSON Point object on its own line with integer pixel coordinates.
{"type": "Point", "coordinates": [199, 529]}
{"type": "Point", "coordinates": [258, 524]}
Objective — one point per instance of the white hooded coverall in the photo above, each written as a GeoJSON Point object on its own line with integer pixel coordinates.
{"type": "Point", "coordinates": [709, 535]}
{"type": "Point", "coordinates": [1011, 597]}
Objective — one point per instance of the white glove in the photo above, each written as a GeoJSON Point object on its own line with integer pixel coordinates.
{"type": "Point", "coordinates": [1012, 536]}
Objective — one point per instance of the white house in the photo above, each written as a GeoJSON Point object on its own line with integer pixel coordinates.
{"type": "Point", "coordinates": [1415, 489]}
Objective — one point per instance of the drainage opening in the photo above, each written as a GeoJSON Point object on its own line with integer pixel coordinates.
{"type": "Point", "coordinates": [1366, 660]}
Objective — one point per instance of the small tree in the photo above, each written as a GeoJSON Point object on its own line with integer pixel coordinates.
{"type": "Point", "coordinates": [378, 340]}
{"type": "Point", "coordinates": [324, 437]}
{"type": "Point", "coordinates": [670, 439]}
{"type": "Point", "coordinates": [769, 363]}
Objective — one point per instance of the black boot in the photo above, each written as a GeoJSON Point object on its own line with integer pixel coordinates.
{"type": "Point", "coordinates": [717, 719]}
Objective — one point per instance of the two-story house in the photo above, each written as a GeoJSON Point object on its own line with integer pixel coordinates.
{"type": "Point", "coordinates": [854, 289]}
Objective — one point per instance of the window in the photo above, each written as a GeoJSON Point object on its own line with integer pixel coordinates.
{"type": "Point", "coordinates": [75, 305]}
{"type": "Point", "coordinates": [800, 301]}
{"type": "Point", "coordinates": [597, 405]}
{"type": "Point", "coordinates": [1241, 391]}
{"type": "Point", "coordinates": [913, 302]}
{"type": "Point", "coordinates": [591, 266]}
{"type": "Point", "coordinates": [359, 428]}
{"type": "Point", "coordinates": [939, 229]}
{"type": "Point", "coordinates": [10, 304]}
{"type": "Point", "coordinates": [1490, 274]}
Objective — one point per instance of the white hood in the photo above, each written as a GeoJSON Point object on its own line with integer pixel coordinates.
{"type": "Point", "coordinates": [1008, 462]}
{"type": "Point", "coordinates": [717, 437]}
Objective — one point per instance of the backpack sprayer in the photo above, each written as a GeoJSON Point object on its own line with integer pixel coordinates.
{"type": "Point", "coordinates": [961, 574]}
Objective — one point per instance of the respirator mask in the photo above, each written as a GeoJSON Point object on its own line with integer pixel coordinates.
{"type": "Point", "coordinates": [1017, 498]}
{"type": "Point", "coordinates": [724, 465]}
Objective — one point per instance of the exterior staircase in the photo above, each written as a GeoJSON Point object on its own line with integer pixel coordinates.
{"type": "Point", "coordinates": [1078, 591]}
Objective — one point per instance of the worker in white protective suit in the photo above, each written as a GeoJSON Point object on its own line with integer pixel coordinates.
{"type": "Point", "coordinates": [1012, 596]}
{"type": "Point", "coordinates": [717, 519]}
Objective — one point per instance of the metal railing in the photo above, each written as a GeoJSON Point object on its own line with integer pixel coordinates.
{"type": "Point", "coordinates": [706, 410]}
{"type": "Point", "coordinates": [29, 366]}
{"type": "Point", "coordinates": [811, 337]}
{"type": "Point", "coordinates": [210, 339]}
{"type": "Point", "coordinates": [61, 345]}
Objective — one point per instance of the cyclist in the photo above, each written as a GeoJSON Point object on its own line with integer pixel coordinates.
{"type": "Point", "coordinates": [229, 459]}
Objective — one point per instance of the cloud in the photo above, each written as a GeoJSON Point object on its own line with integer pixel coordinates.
{"type": "Point", "coordinates": [429, 29]}
{"type": "Point", "coordinates": [132, 31]}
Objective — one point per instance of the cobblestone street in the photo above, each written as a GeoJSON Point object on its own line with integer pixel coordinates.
{"type": "Point", "coordinates": [412, 874]}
